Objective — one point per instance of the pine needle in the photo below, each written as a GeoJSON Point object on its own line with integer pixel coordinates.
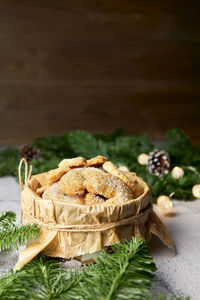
{"type": "Point", "coordinates": [11, 235]}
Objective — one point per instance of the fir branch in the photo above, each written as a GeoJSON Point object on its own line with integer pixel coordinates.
{"type": "Point", "coordinates": [125, 274]}
{"type": "Point", "coordinates": [181, 149]}
{"type": "Point", "coordinates": [48, 279]}
{"type": "Point", "coordinates": [9, 161]}
{"type": "Point", "coordinates": [15, 286]}
{"type": "Point", "coordinates": [39, 279]}
{"type": "Point", "coordinates": [85, 144]}
{"type": "Point", "coordinates": [11, 235]}
{"type": "Point", "coordinates": [7, 217]}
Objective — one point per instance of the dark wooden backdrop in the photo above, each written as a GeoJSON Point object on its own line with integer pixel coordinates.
{"type": "Point", "coordinates": [97, 65]}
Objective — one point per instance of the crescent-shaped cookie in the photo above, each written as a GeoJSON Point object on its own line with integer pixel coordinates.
{"type": "Point", "coordinates": [97, 161]}
{"type": "Point", "coordinates": [54, 192]}
{"type": "Point", "coordinates": [112, 169]}
{"type": "Point", "coordinates": [95, 181]}
{"type": "Point", "coordinates": [72, 163]}
{"type": "Point", "coordinates": [64, 166]}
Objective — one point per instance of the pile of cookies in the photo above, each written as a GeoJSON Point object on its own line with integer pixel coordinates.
{"type": "Point", "coordinates": [89, 182]}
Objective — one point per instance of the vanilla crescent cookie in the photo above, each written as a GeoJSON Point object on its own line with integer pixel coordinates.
{"type": "Point", "coordinates": [112, 169]}
{"type": "Point", "coordinates": [97, 161]}
{"type": "Point", "coordinates": [55, 174]}
{"type": "Point", "coordinates": [54, 192]}
{"type": "Point", "coordinates": [72, 163]}
{"type": "Point", "coordinates": [95, 181]}
{"type": "Point", "coordinates": [64, 166]}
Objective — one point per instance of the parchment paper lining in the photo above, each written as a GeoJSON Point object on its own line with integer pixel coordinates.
{"type": "Point", "coordinates": [68, 230]}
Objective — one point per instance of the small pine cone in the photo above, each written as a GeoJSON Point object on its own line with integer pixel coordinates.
{"type": "Point", "coordinates": [158, 162]}
{"type": "Point", "coordinates": [29, 152]}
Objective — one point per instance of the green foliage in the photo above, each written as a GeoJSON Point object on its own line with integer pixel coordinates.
{"type": "Point", "coordinates": [78, 141]}
{"type": "Point", "coordinates": [39, 279]}
{"type": "Point", "coordinates": [181, 150]}
{"type": "Point", "coordinates": [125, 274]}
{"type": "Point", "coordinates": [11, 235]}
{"type": "Point", "coordinates": [11, 286]}
{"type": "Point", "coordinates": [122, 150]}
{"type": "Point", "coordinates": [9, 162]}
{"type": "Point", "coordinates": [7, 217]}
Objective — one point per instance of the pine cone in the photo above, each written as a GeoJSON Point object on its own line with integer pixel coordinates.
{"type": "Point", "coordinates": [29, 152]}
{"type": "Point", "coordinates": [158, 162]}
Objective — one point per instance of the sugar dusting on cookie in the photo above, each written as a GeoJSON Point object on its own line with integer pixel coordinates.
{"type": "Point", "coordinates": [90, 182]}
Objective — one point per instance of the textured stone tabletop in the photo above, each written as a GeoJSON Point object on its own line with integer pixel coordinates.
{"type": "Point", "coordinates": [177, 274]}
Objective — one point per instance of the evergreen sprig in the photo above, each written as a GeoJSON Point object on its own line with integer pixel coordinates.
{"type": "Point", "coordinates": [15, 286]}
{"type": "Point", "coordinates": [39, 279]}
{"type": "Point", "coordinates": [9, 161]}
{"type": "Point", "coordinates": [122, 150]}
{"type": "Point", "coordinates": [11, 235]}
{"type": "Point", "coordinates": [125, 274]}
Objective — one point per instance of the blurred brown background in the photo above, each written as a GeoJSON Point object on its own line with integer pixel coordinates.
{"type": "Point", "coordinates": [97, 65]}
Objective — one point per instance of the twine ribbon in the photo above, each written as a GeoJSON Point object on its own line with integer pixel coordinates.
{"type": "Point", "coordinates": [27, 173]}
{"type": "Point", "coordinates": [91, 228]}
{"type": "Point", "coordinates": [27, 178]}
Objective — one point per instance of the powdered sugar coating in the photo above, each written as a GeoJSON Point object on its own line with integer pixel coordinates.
{"type": "Point", "coordinates": [55, 193]}
{"type": "Point", "coordinates": [92, 199]}
{"type": "Point", "coordinates": [95, 181]}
